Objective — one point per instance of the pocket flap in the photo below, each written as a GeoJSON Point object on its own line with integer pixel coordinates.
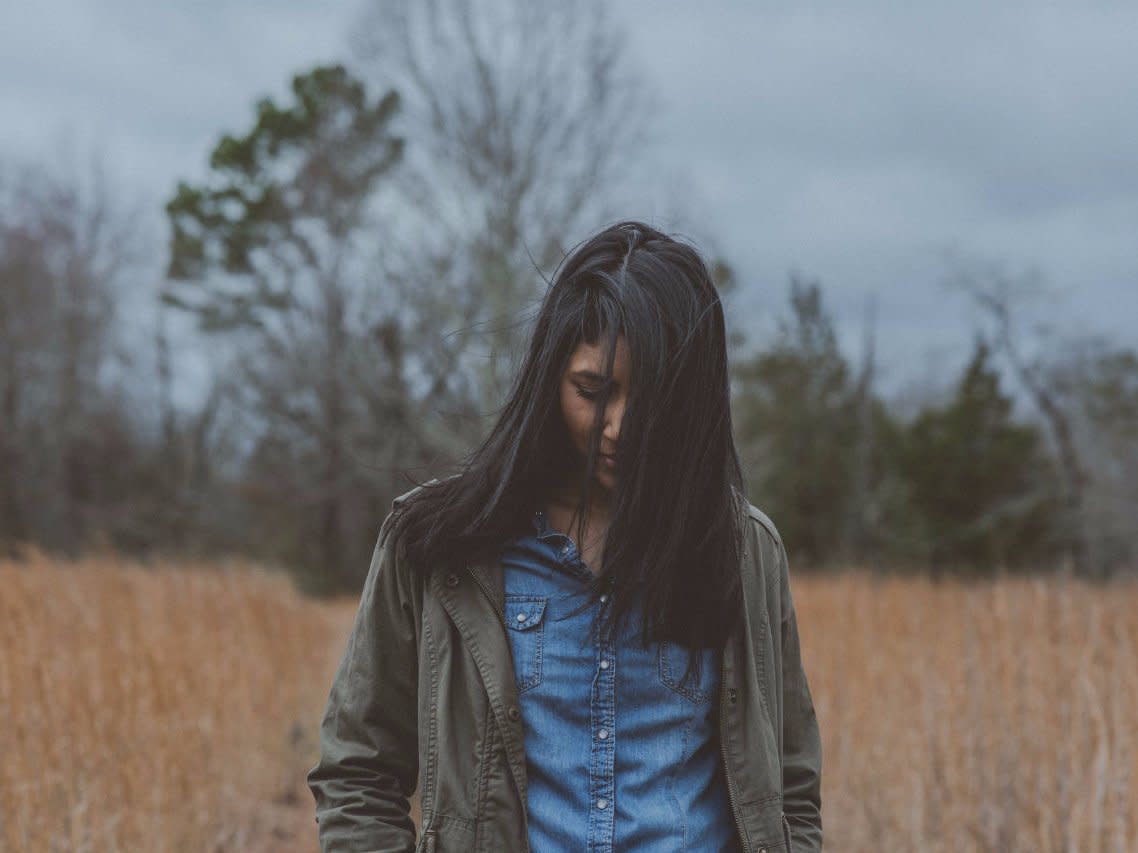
{"type": "Point", "coordinates": [524, 612]}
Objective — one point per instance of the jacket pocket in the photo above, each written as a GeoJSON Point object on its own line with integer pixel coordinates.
{"type": "Point", "coordinates": [525, 618]}
{"type": "Point", "coordinates": [767, 825]}
{"type": "Point", "coordinates": [699, 685]}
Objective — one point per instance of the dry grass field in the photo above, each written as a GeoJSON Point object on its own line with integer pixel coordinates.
{"type": "Point", "coordinates": [169, 710]}
{"type": "Point", "coordinates": [998, 717]}
{"type": "Point", "coordinates": [163, 710]}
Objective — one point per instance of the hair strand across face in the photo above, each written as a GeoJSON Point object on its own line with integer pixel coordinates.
{"type": "Point", "coordinates": [673, 541]}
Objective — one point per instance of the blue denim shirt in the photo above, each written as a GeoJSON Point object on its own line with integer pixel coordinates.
{"type": "Point", "coordinates": [620, 754]}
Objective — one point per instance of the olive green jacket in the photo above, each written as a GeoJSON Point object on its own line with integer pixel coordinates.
{"type": "Point", "coordinates": [426, 685]}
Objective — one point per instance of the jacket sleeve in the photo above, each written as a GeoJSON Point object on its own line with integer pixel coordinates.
{"type": "Point", "coordinates": [802, 745]}
{"type": "Point", "coordinates": [368, 764]}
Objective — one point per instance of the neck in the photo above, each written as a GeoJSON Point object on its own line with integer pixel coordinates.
{"type": "Point", "coordinates": [565, 499]}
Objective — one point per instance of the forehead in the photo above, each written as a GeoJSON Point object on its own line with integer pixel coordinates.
{"type": "Point", "coordinates": [590, 358]}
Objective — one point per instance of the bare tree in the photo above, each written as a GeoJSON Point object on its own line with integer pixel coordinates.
{"type": "Point", "coordinates": [1097, 381]}
{"type": "Point", "coordinates": [274, 250]}
{"type": "Point", "coordinates": [65, 244]}
{"type": "Point", "coordinates": [1003, 299]}
{"type": "Point", "coordinates": [523, 117]}
{"type": "Point", "coordinates": [862, 514]}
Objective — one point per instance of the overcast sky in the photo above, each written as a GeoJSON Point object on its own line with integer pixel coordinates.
{"type": "Point", "coordinates": [851, 147]}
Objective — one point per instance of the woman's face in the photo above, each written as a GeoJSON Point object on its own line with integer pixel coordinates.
{"type": "Point", "coordinates": [579, 388]}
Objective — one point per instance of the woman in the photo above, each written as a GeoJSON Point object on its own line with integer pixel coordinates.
{"type": "Point", "coordinates": [586, 639]}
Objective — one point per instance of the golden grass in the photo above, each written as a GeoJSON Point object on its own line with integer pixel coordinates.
{"type": "Point", "coordinates": [175, 709]}
{"type": "Point", "coordinates": [159, 710]}
{"type": "Point", "coordinates": [991, 718]}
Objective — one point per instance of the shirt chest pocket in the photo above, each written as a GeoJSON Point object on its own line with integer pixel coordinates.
{"type": "Point", "coordinates": [697, 686]}
{"type": "Point", "coordinates": [525, 619]}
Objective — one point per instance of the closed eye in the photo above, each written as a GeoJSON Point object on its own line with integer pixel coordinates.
{"type": "Point", "coordinates": [586, 393]}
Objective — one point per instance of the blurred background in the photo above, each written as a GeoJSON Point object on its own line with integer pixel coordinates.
{"type": "Point", "coordinates": [263, 265]}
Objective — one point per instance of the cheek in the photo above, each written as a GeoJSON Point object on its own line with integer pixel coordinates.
{"type": "Point", "coordinates": [567, 411]}
{"type": "Point", "coordinates": [578, 416]}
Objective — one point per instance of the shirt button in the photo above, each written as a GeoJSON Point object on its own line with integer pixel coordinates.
{"type": "Point", "coordinates": [604, 664]}
{"type": "Point", "coordinates": [452, 580]}
{"type": "Point", "coordinates": [603, 733]}
{"type": "Point", "coordinates": [513, 713]}
{"type": "Point", "coordinates": [602, 803]}
{"type": "Point", "coordinates": [604, 598]}
{"type": "Point", "coordinates": [521, 617]}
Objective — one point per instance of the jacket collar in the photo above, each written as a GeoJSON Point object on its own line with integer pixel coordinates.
{"type": "Point", "coordinates": [491, 580]}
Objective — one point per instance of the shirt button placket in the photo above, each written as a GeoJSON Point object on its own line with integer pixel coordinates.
{"type": "Point", "coordinates": [602, 712]}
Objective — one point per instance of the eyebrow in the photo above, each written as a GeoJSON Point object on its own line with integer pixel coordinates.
{"type": "Point", "coordinates": [590, 374]}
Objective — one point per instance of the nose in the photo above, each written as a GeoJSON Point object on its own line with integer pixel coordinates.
{"type": "Point", "coordinates": [614, 412]}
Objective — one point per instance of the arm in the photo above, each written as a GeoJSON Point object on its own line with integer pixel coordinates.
{"type": "Point", "coordinates": [368, 737]}
{"type": "Point", "coordinates": [802, 745]}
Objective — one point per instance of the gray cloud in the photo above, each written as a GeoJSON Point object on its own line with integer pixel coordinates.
{"type": "Point", "coordinates": [154, 84]}
{"type": "Point", "coordinates": [854, 146]}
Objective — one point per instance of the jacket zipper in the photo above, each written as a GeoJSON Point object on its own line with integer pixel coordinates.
{"type": "Point", "coordinates": [430, 839]}
{"type": "Point", "coordinates": [731, 795]}
{"type": "Point", "coordinates": [502, 618]}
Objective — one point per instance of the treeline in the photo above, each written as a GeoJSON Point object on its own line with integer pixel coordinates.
{"type": "Point", "coordinates": [359, 268]}
{"type": "Point", "coordinates": [357, 265]}
{"type": "Point", "coordinates": [959, 484]}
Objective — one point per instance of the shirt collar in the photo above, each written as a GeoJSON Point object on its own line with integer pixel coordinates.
{"type": "Point", "coordinates": [541, 525]}
{"type": "Point", "coordinates": [563, 545]}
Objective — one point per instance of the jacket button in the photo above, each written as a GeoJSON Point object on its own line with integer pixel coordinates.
{"type": "Point", "coordinates": [513, 713]}
{"type": "Point", "coordinates": [452, 579]}
{"type": "Point", "coordinates": [732, 695]}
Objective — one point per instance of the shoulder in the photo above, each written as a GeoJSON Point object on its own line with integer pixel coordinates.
{"type": "Point", "coordinates": [410, 493]}
{"type": "Point", "coordinates": [394, 529]}
{"type": "Point", "coordinates": [760, 526]}
{"type": "Point", "coordinates": [400, 503]}
{"type": "Point", "coordinates": [393, 573]}
{"type": "Point", "coordinates": [765, 562]}
{"type": "Point", "coordinates": [757, 522]}
{"type": "Point", "coordinates": [763, 521]}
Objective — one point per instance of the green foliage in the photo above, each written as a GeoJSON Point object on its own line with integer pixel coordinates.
{"type": "Point", "coordinates": [282, 198]}
{"type": "Point", "coordinates": [978, 480]}
{"type": "Point", "coordinates": [961, 487]}
{"type": "Point", "coordinates": [796, 420]}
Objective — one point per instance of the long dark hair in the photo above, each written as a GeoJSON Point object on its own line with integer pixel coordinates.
{"type": "Point", "coordinates": [674, 537]}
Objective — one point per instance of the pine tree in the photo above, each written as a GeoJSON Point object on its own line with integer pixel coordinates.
{"type": "Point", "coordinates": [977, 478]}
